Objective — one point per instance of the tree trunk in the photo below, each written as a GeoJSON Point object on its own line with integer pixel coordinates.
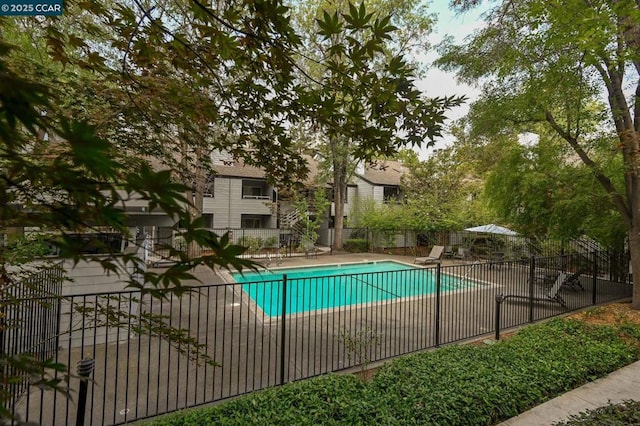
{"type": "Point", "coordinates": [634, 235]}
{"type": "Point", "coordinates": [195, 192]}
{"type": "Point", "coordinates": [339, 192]}
{"type": "Point", "coordinates": [338, 223]}
{"type": "Point", "coordinates": [634, 249]}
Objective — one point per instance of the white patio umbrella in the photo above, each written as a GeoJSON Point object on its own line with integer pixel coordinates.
{"type": "Point", "coordinates": [492, 229]}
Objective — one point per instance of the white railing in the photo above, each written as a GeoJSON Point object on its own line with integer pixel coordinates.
{"type": "Point", "coordinates": [290, 218]}
{"type": "Point", "coordinates": [256, 197]}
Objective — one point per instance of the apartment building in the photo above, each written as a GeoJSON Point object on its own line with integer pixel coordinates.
{"type": "Point", "coordinates": [239, 196]}
{"type": "Point", "coordinates": [381, 181]}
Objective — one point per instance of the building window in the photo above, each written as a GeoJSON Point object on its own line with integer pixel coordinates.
{"type": "Point", "coordinates": [255, 190]}
{"type": "Point", "coordinates": [208, 220]}
{"type": "Point", "coordinates": [252, 221]}
{"type": "Point", "coordinates": [391, 194]}
{"type": "Point", "coordinates": [209, 186]}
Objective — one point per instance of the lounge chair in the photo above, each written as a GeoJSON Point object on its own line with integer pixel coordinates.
{"type": "Point", "coordinates": [545, 277]}
{"type": "Point", "coordinates": [448, 251]}
{"type": "Point", "coordinates": [548, 278]}
{"type": "Point", "coordinates": [573, 280]}
{"type": "Point", "coordinates": [462, 253]}
{"type": "Point", "coordinates": [434, 256]}
{"type": "Point", "coordinates": [554, 292]}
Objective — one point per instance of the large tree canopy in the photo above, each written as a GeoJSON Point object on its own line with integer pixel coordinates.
{"type": "Point", "coordinates": [555, 62]}
{"type": "Point", "coordinates": [543, 190]}
{"type": "Point", "coordinates": [362, 86]}
{"type": "Point", "coordinates": [86, 98]}
{"type": "Point", "coordinates": [447, 190]}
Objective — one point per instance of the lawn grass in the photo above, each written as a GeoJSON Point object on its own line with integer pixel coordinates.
{"type": "Point", "coordinates": [455, 385]}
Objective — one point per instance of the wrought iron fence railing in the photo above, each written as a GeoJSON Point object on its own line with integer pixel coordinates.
{"type": "Point", "coordinates": [266, 333]}
{"type": "Point", "coordinates": [29, 322]}
{"type": "Point", "coordinates": [266, 243]}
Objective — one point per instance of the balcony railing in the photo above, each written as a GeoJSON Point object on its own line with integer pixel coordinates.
{"type": "Point", "coordinates": [256, 197]}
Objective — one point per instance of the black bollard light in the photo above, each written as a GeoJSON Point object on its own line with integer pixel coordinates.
{"type": "Point", "coordinates": [85, 368]}
{"type": "Point", "coordinates": [499, 300]}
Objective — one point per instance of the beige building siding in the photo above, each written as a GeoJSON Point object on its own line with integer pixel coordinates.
{"type": "Point", "coordinates": [378, 194]}
{"type": "Point", "coordinates": [365, 189]}
{"type": "Point", "coordinates": [227, 205]}
{"type": "Point", "coordinates": [352, 193]}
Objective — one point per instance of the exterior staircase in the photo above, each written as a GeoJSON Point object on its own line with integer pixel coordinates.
{"type": "Point", "coordinates": [290, 219]}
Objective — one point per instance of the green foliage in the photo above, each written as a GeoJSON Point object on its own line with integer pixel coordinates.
{"type": "Point", "coordinates": [311, 209]}
{"type": "Point", "coordinates": [86, 98]}
{"type": "Point", "coordinates": [359, 345]}
{"type": "Point", "coordinates": [456, 385]}
{"type": "Point", "coordinates": [382, 238]}
{"type": "Point", "coordinates": [445, 192]}
{"type": "Point", "coordinates": [257, 243]}
{"type": "Point", "coordinates": [538, 191]}
{"type": "Point", "coordinates": [251, 243]}
{"type": "Point", "coordinates": [366, 102]}
{"type": "Point", "coordinates": [356, 245]}
{"type": "Point", "coordinates": [367, 213]}
{"type": "Point", "coordinates": [622, 414]}
{"type": "Point", "coordinates": [482, 385]}
{"type": "Point", "coordinates": [326, 400]}
{"type": "Point", "coordinates": [545, 66]}
{"type": "Point", "coordinates": [270, 242]}
{"type": "Point", "coordinates": [26, 248]}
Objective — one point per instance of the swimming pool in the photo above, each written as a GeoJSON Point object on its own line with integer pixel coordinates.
{"type": "Point", "coordinates": [334, 286]}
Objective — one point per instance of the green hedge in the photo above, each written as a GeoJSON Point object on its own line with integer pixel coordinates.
{"type": "Point", "coordinates": [482, 385]}
{"type": "Point", "coordinates": [356, 245]}
{"type": "Point", "coordinates": [456, 385]}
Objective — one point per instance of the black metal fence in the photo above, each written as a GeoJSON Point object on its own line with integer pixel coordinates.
{"type": "Point", "coordinates": [263, 243]}
{"type": "Point", "coordinates": [480, 245]}
{"type": "Point", "coordinates": [270, 243]}
{"type": "Point", "coordinates": [264, 334]}
{"type": "Point", "coordinates": [29, 315]}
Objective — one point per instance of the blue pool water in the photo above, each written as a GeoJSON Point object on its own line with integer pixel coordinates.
{"type": "Point", "coordinates": [333, 286]}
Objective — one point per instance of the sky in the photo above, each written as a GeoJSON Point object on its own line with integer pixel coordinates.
{"type": "Point", "coordinates": [440, 83]}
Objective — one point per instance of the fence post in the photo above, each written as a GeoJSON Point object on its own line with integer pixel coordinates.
{"type": "Point", "coordinates": [283, 328]}
{"type": "Point", "coordinates": [499, 300]}
{"type": "Point", "coordinates": [594, 298]}
{"type": "Point", "coordinates": [532, 278]}
{"type": "Point", "coordinates": [85, 368]}
{"type": "Point", "coordinates": [437, 324]}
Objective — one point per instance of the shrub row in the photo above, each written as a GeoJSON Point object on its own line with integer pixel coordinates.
{"type": "Point", "coordinates": [622, 414]}
{"type": "Point", "coordinates": [356, 245]}
{"type": "Point", "coordinates": [456, 385]}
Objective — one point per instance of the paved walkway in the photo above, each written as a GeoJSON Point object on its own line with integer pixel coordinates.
{"type": "Point", "coordinates": [618, 386]}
